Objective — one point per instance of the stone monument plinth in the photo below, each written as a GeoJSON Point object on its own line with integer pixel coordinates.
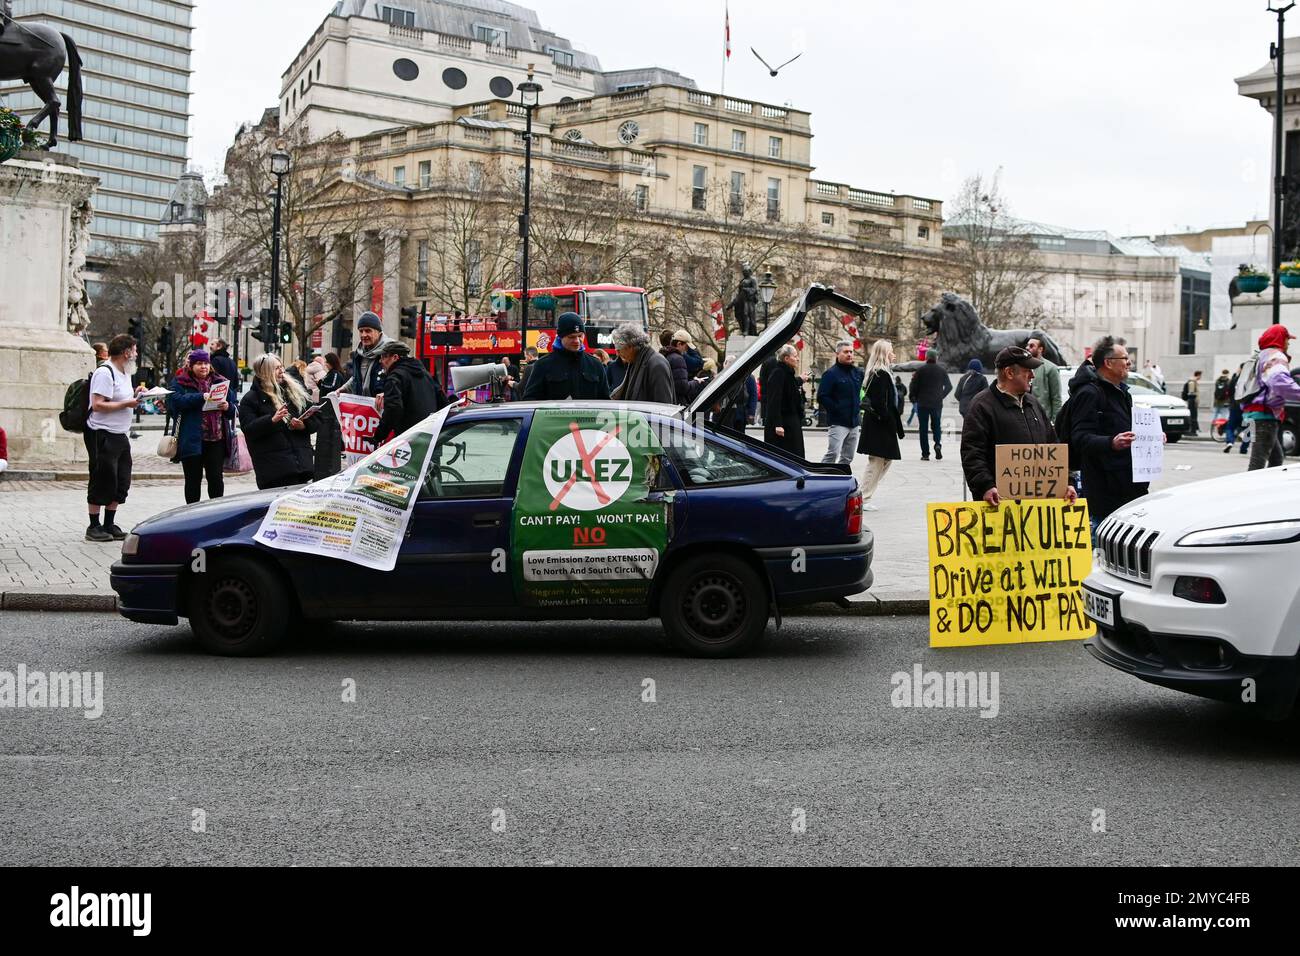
{"type": "Point", "coordinates": [45, 214]}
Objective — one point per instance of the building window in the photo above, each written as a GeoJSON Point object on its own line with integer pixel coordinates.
{"type": "Point", "coordinates": [773, 200]}
{"type": "Point", "coordinates": [398, 16]}
{"type": "Point", "coordinates": [698, 188]}
{"type": "Point", "coordinates": [774, 147]}
{"type": "Point", "coordinates": [474, 266]}
{"type": "Point", "coordinates": [737, 199]}
{"type": "Point", "coordinates": [426, 174]}
{"type": "Point", "coordinates": [399, 175]}
{"type": "Point", "coordinates": [422, 267]}
{"type": "Point", "coordinates": [562, 58]}
{"type": "Point", "coordinates": [701, 134]}
{"type": "Point", "coordinates": [492, 36]}
{"type": "Point", "coordinates": [475, 177]}
{"type": "Point", "coordinates": [828, 219]}
{"type": "Point", "coordinates": [923, 232]}
{"type": "Point", "coordinates": [737, 140]}
{"type": "Point", "coordinates": [318, 69]}
{"type": "Point", "coordinates": [643, 197]}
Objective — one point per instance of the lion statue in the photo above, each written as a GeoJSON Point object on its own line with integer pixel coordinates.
{"type": "Point", "coordinates": [962, 336]}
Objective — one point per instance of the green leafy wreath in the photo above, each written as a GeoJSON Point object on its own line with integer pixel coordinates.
{"type": "Point", "coordinates": [15, 136]}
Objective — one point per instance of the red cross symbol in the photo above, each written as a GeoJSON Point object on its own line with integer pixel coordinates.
{"type": "Point", "coordinates": [588, 462]}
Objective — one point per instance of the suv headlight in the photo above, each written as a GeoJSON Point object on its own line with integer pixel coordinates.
{"type": "Point", "coordinates": [1269, 532]}
{"type": "Point", "coordinates": [131, 546]}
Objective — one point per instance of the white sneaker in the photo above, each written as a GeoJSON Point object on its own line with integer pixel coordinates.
{"type": "Point", "coordinates": [869, 507]}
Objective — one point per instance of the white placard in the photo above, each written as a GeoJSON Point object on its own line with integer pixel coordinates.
{"type": "Point", "coordinates": [1148, 445]}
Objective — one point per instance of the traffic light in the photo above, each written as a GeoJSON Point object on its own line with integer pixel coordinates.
{"type": "Point", "coordinates": [410, 325]}
{"type": "Point", "coordinates": [286, 332]}
{"type": "Point", "coordinates": [135, 329]}
{"type": "Point", "coordinates": [342, 336]}
{"type": "Point", "coordinates": [165, 341]}
{"type": "Point", "coordinates": [264, 328]}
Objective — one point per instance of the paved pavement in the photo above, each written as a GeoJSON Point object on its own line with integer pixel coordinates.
{"type": "Point", "coordinates": [43, 546]}
{"type": "Point", "coordinates": [544, 730]}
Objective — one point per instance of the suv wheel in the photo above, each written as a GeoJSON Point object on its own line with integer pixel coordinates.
{"type": "Point", "coordinates": [714, 605]}
{"type": "Point", "coordinates": [239, 607]}
{"type": "Point", "coordinates": [1290, 439]}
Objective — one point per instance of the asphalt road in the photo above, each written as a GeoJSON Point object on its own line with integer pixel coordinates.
{"type": "Point", "coordinates": [543, 729]}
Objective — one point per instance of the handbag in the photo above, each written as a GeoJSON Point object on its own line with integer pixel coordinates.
{"type": "Point", "coordinates": [167, 445]}
{"type": "Point", "coordinates": [239, 462]}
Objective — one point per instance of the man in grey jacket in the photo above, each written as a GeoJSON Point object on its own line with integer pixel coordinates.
{"type": "Point", "coordinates": [1047, 380]}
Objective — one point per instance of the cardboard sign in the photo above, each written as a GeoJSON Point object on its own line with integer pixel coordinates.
{"type": "Point", "coordinates": [1032, 471]}
{"type": "Point", "coordinates": [1008, 575]}
{"type": "Point", "coordinates": [1148, 445]}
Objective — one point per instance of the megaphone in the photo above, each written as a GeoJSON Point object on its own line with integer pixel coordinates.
{"type": "Point", "coordinates": [465, 377]}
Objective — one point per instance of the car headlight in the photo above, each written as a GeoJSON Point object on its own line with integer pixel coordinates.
{"type": "Point", "coordinates": [1268, 532]}
{"type": "Point", "coordinates": [131, 546]}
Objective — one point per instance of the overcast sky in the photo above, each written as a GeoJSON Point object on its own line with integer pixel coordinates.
{"type": "Point", "coordinates": [1106, 114]}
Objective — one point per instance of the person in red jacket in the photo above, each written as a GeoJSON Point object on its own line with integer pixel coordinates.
{"type": "Point", "coordinates": [4, 451]}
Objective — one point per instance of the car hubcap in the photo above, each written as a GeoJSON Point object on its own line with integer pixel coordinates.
{"type": "Point", "coordinates": [232, 608]}
{"type": "Point", "coordinates": [714, 606]}
{"type": "Point", "coordinates": [1288, 441]}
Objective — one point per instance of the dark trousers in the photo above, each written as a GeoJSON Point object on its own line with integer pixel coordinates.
{"type": "Point", "coordinates": [929, 419]}
{"type": "Point", "coordinates": [110, 466]}
{"type": "Point", "coordinates": [1195, 424]}
{"type": "Point", "coordinates": [1267, 449]}
{"type": "Point", "coordinates": [210, 459]}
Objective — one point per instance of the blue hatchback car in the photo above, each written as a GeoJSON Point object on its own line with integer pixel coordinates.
{"type": "Point", "coordinates": [542, 511]}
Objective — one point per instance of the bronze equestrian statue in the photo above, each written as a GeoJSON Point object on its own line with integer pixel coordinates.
{"type": "Point", "coordinates": [37, 54]}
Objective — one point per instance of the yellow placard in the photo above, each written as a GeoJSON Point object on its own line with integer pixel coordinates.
{"type": "Point", "coordinates": [1010, 574]}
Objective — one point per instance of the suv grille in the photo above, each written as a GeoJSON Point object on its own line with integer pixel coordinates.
{"type": "Point", "coordinates": [1126, 550]}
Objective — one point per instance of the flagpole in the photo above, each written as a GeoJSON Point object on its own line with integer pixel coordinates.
{"type": "Point", "coordinates": [726, 44]}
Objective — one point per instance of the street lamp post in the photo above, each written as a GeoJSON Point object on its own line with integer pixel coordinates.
{"type": "Point", "coordinates": [767, 289]}
{"type": "Point", "coordinates": [1279, 178]}
{"type": "Point", "coordinates": [529, 92]}
{"type": "Point", "coordinates": [279, 168]}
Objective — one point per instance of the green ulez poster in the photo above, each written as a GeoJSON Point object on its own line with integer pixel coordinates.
{"type": "Point", "coordinates": [584, 529]}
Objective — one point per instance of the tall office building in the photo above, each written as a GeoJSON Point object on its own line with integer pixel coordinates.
{"type": "Point", "coordinates": [136, 56]}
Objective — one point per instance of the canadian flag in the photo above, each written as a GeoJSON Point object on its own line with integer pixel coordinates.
{"type": "Point", "coordinates": [201, 331]}
{"type": "Point", "coordinates": [719, 321]}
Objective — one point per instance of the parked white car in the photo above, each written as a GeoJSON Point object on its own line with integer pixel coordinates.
{"type": "Point", "coordinates": [1195, 588]}
{"type": "Point", "coordinates": [1175, 414]}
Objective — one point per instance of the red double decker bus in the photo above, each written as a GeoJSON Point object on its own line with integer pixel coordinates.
{"type": "Point", "coordinates": [603, 308]}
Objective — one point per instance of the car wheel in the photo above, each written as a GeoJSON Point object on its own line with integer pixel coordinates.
{"type": "Point", "coordinates": [1175, 437]}
{"type": "Point", "coordinates": [714, 605]}
{"type": "Point", "coordinates": [1290, 440]}
{"type": "Point", "coordinates": [239, 607]}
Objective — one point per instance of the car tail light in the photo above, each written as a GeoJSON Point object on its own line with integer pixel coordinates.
{"type": "Point", "coordinates": [1200, 590]}
{"type": "Point", "coordinates": [853, 513]}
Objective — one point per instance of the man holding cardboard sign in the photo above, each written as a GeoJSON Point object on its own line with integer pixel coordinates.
{"type": "Point", "coordinates": [1009, 415]}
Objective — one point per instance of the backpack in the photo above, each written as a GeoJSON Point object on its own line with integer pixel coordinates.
{"type": "Point", "coordinates": [1186, 391]}
{"type": "Point", "coordinates": [76, 406]}
{"type": "Point", "coordinates": [1248, 385]}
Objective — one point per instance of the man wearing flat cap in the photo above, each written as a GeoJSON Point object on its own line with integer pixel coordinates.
{"type": "Point", "coordinates": [568, 371]}
{"type": "Point", "coordinates": [1006, 414]}
{"type": "Point", "coordinates": [411, 394]}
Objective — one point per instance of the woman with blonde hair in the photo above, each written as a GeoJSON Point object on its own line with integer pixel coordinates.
{"type": "Point", "coordinates": [278, 437]}
{"type": "Point", "coordinates": [882, 419]}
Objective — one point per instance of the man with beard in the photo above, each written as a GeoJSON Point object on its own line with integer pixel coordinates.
{"type": "Point", "coordinates": [366, 369]}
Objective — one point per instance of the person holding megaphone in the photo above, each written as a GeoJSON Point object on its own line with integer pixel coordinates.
{"type": "Point", "coordinates": [411, 394]}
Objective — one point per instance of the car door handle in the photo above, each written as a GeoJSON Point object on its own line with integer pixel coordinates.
{"type": "Point", "coordinates": [487, 521]}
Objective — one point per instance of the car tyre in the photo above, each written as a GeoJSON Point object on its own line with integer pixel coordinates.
{"type": "Point", "coordinates": [1174, 437]}
{"type": "Point", "coordinates": [714, 605]}
{"type": "Point", "coordinates": [240, 607]}
{"type": "Point", "coordinates": [1290, 439]}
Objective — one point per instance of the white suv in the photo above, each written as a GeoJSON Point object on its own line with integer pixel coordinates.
{"type": "Point", "coordinates": [1194, 588]}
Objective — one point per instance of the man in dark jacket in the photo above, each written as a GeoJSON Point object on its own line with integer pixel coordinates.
{"type": "Point", "coordinates": [224, 365]}
{"type": "Point", "coordinates": [366, 370]}
{"type": "Point", "coordinates": [930, 385]}
{"type": "Point", "coordinates": [411, 394]}
{"type": "Point", "coordinates": [1101, 430]}
{"type": "Point", "coordinates": [675, 352]}
{"type": "Point", "coordinates": [1005, 414]}
{"type": "Point", "coordinates": [840, 394]}
{"type": "Point", "coordinates": [569, 372]}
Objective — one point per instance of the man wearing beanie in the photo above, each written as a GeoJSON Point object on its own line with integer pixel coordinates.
{"type": "Point", "coordinates": [1267, 406]}
{"type": "Point", "coordinates": [571, 371]}
{"type": "Point", "coordinates": [366, 370]}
